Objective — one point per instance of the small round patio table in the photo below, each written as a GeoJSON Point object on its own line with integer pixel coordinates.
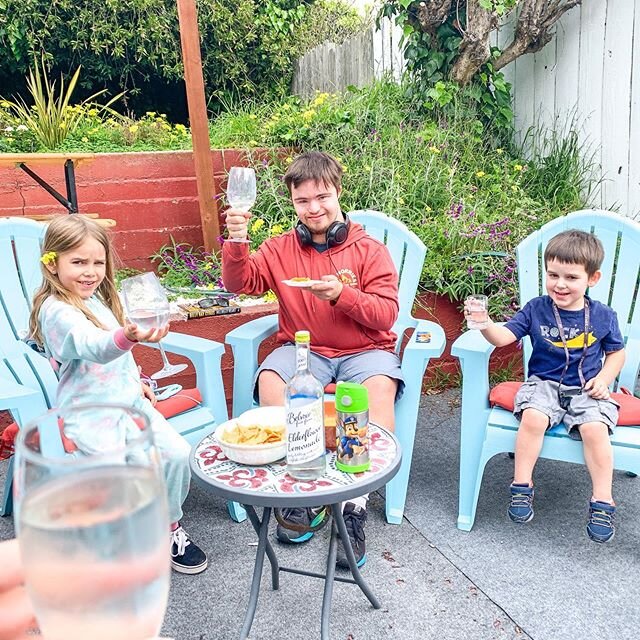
{"type": "Point", "coordinates": [270, 486]}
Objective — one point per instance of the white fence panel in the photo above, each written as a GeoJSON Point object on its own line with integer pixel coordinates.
{"type": "Point", "coordinates": [583, 78]}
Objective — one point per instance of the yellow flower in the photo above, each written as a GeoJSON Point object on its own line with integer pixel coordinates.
{"type": "Point", "coordinates": [513, 187]}
{"type": "Point", "coordinates": [85, 139]}
{"type": "Point", "coordinates": [276, 230]}
{"type": "Point", "coordinates": [253, 143]}
{"type": "Point", "coordinates": [151, 114]}
{"type": "Point", "coordinates": [499, 151]}
{"type": "Point", "coordinates": [253, 116]}
{"type": "Point", "coordinates": [308, 114]}
{"type": "Point", "coordinates": [517, 167]}
{"type": "Point", "coordinates": [210, 286]}
{"type": "Point", "coordinates": [181, 128]}
{"type": "Point", "coordinates": [288, 160]}
{"type": "Point", "coordinates": [434, 149]}
{"type": "Point", "coordinates": [48, 257]}
{"type": "Point", "coordinates": [166, 127]}
{"type": "Point", "coordinates": [92, 112]}
{"type": "Point", "coordinates": [133, 128]}
{"type": "Point", "coordinates": [367, 167]}
{"type": "Point", "coordinates": [428, 209]}
{"type": "Point", "coordinates": [257, 225]}
{"type": "Point", "coordinates": [480, 174]}
{"type": "Point", "coordinates": [286, 107]}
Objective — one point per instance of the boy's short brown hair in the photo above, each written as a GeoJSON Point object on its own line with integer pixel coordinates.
{"type": "Point", "coordinates": [314, 165]}
{"type": "Point", "coordinates": [576, 247]}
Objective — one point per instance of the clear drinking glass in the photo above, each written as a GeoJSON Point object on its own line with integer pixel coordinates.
{"type": "Point", "coordinates": [147, 306]}
{"type": "Point", "coordinates": [477, 311]}
{"type": "Point", "coordinates": [93, 524]}
{"type": "Point", "coordinates": [241, 191]}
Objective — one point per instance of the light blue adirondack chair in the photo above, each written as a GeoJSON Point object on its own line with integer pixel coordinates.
{"type": "Point", "coordinates": [408, 254]}
{"type": "Point", "coordinates": [487, 431]}
{"type": "Point", "coordinates": [27, 381]}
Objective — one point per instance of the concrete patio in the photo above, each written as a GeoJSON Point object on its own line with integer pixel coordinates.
{"type": "Point", "coordinates": [545, 580]}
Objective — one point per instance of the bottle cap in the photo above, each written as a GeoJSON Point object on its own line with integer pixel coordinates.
{"type": "Point", "coordinates": [303, 336]}
{"type": "Point", "coordinates": [351, 397]}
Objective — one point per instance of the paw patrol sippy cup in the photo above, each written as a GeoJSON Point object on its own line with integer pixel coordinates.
{"type": "Point", "coordinates": [352, 425]}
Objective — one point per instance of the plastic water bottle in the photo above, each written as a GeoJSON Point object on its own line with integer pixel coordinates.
{"type": "Point", "coordinates": [304, 408]}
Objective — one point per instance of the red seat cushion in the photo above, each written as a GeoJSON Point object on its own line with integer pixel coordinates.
{"type": "Point", "coordinates": [503, 394]}
{"type": "Point", "coordinates": [183, 401]}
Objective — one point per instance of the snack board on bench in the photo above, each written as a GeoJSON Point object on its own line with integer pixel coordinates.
{"type": "Point", "coordinates": [194, 311]}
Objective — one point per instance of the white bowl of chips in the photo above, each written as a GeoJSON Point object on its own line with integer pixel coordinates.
{"type": "Point", "coordinates": [256, 437]}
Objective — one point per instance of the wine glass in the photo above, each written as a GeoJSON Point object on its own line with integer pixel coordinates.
{"type": "Point", "coordinates": [93, 526]}
{"type": "Point", "coordinates": [241, 191]}
{"type": "Point", "coordinates": [147, 306]}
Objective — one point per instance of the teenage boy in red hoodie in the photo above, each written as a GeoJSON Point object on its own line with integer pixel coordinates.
{"type": "Point", "coordinates": [349, 313]}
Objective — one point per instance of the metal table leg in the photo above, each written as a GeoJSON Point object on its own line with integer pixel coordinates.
{"type": "Point", "coordinates": [262, 528]}
{"type": "Point", "coordinates": [338, 528]}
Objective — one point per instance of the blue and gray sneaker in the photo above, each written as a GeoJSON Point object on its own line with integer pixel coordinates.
{"type": "Point", "coordinates": [600, 527]}
{"type": "Point", "coordinates": [300, 521]}
{"type": "Point", "coordinates": [521, 505]}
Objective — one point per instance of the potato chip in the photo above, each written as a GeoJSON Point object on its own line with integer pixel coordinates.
{"type": "Point", "coordinates": [252, 434]}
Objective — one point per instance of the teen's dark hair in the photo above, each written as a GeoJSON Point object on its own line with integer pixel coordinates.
{"type": "Point", "coordinates": [576, 247]}
{"type": "Point", "coordinates": [314, 165]}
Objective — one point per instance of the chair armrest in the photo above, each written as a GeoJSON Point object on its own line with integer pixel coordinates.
{"type": "Point", "coordinates": [206, 356]}
{"type": "Point", "coordinates": [416, 355]}
{"type": "Point", "coordinates": [23, 402]}
{"type": "Point", "coordinates": [629, 373]}
{"type": "Point", "coordinates": [473, 351]}
{"type": "Point", "coordinates": [245, 341]}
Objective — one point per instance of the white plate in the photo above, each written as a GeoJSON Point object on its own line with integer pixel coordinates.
{"type": "Point", "coordinates": [302, 285]}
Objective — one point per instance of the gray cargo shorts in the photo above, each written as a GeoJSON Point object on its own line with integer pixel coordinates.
{"type": "Point", "coordinates": [356, 367]}
{"type": "Point", "coordinates": [543, 396]}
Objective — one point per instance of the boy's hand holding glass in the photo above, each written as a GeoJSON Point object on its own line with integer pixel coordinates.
{"type": "Point", "coordinates": [476, 312]}
{"type": "Point", "coordinates": [241, 196]}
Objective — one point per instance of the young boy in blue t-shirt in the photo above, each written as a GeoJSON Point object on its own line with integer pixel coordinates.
{"type": "Point", "coordinates": [578, 351]}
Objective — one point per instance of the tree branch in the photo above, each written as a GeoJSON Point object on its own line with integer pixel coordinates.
{"type": "Point", "coordinates": [533, 30]}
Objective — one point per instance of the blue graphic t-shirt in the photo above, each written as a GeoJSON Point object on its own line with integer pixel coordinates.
{"type": "Point", "coordinates": [536, 320]}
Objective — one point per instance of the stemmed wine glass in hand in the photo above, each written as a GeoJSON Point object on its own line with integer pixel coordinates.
{"type": "Point", "coordinates": [241, 191]}
{"type": "Point", "coordinates": [147, 306]}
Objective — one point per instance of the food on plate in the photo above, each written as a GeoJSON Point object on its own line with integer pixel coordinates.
{"type": "Point", "coordinates": [300, 279]}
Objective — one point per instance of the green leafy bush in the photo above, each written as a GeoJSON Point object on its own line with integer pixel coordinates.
{"type": "Point", "coordinates": [247, 46]}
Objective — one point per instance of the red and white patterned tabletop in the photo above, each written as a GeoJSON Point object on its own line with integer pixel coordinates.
{"type": "Point", "coordinates": [215, 469]}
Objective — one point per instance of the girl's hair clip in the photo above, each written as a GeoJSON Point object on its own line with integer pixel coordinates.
{"type": "Point", "coordinates": [49, 257]}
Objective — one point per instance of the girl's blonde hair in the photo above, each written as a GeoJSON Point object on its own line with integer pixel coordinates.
{"type": "Point", "coordinates": [65, 233]}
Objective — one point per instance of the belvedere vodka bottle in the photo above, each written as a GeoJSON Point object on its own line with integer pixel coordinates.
{"type": "Point", "coordinates": [304, 409]}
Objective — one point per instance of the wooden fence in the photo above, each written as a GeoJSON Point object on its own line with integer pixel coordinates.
{"type": "Point", "coordinates": [582, 79]}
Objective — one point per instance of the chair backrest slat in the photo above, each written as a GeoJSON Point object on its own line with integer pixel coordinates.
{"type": "Point", "coordinates": [20, 242]}
{"type": "Point", "coordinates": [408, 254]}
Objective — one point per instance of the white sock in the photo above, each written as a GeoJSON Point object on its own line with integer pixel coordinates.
{"type": "Point", "coordinates": [359, 502]}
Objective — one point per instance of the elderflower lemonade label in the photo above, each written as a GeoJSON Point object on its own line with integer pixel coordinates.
{"type": "Point", "coordinates": [305, 429]}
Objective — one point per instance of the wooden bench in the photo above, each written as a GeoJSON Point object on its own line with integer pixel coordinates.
{"type": "Point", "coordinates": [69, 162]}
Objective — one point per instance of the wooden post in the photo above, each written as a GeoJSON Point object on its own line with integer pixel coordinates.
{"type": "Point", "coordinates": [194, 80]}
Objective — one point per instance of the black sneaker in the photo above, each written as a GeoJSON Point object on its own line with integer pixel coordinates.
{"type": "Point", "coordinates": [301, 520]}
{"type": "Point", "coordinates": [354, 519]}
{"type": "Point", "coordinates": [186, 556]}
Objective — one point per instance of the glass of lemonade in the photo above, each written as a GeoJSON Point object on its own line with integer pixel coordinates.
{"type": "Point", "coordinates": [92, 523]}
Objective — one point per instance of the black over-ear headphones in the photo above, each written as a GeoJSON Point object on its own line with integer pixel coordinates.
{"type": "Point", "coordinates": [337, 233]}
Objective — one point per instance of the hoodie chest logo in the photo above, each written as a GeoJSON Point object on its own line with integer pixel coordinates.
{"type": "Point", "coordinates": [347, 277]}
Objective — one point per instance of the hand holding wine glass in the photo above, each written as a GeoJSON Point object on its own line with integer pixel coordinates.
{"type": "Point", "coordinates": [147, 307]}
{"type": "Point", "coordinates": [241, 196]}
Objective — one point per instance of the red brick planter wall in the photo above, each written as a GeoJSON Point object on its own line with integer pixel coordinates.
{"type": "Point", "coordinates": [151, 196]}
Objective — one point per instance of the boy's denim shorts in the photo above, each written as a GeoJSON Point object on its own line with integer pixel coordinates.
{"type": "Point", "coordinates": [543, 396]}
{"type": "Point", "coordinates": [356, 367]}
